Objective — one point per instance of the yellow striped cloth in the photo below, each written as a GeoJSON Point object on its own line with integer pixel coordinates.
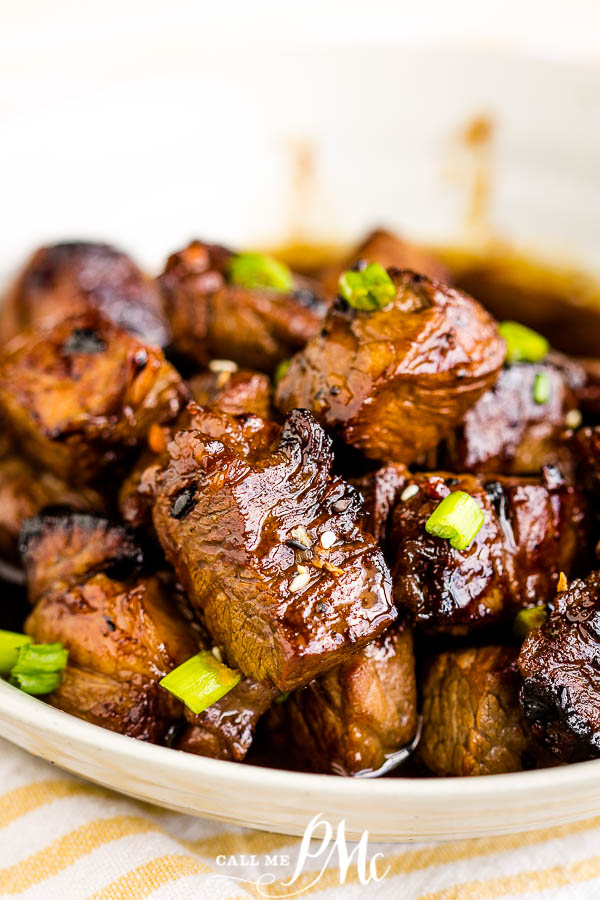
{"type": "Point", "coordinates": [63, 838]}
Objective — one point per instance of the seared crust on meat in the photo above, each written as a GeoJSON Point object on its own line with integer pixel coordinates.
{"type": "Point", "coordinates": [508, 432]}
{"type": "Point", "coordinates": [352, 719]}
{"type": "Point", "coordinates": [472, 721]}
{"type": "Point", "coordinates": [394, 381]}
{"type": "Point", "coordinates": [76, 394]}
{"type": "Point", "coordinates": [533, 529]}
{"type": "Point", "coordinates": [61, 548]}
{"type": "Point", "coordinates": [560, 665]}
{"type": "Point", "coordinates": [211, 318]}
{"type": "Point", "coordinates": [227, 510]}
{"type": "Point", "coordinates": [63, 279]}
{"type": "Point", "coordinates": [381, 492]}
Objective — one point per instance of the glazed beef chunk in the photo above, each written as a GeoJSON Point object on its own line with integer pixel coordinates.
{"type": "Point", "coordinates": [268, 545]}
{"type": "Point", "coordinates": [63, 279]}
{"type": "Point", "coordinates": [560, 665]}
{"type": "Point", "coordinates": [394, 381]}
{"type": "Point", "coordinates": [391, 251]}
{"type": "Point", "coordinates": [211, 317]}
{"type": "Point", "coordinates": [78, 393]}
{"type": "Point", "coordinates": [121, 632]}
{"type": "Point", "coordinates": [533, 529]}
{"type": "Point", "coordinates": [25, 490]}
{"type": "Point", "coordinates": [472, 721]}
{"type": "Point", "coordinates": [226, 729]}
{"type": "Point", "coordinates": [232, 390]}
{"type": "Point", "coordinates": [513, 429]}
{"type": "Point", "coordinates": [356, 717]}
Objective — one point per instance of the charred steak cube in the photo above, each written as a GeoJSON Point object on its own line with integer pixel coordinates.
{"type": "Point", "coordinates": [232, 390]}
{"type": "Point", "coordinates": [211, 317]}
{"type": "Point", "coordinates": [392, 382]}
{"type": "Point", "coordinates": [560, 665]}
{"type": "Point", "coordinates": [268, 545]}
{"type": "Point", "coordinates": [63, 279]}
{"type": "Point", "coordinates": [533, 529]}
{"type": "Point", "coordinates": [122, 633]}
{"type": "Point", "coordinates": [78, 393]}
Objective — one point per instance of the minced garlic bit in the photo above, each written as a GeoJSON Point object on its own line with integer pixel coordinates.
{"type": "Point", "coordinates": [223, 365]}
{"type": "Point", "coordinates": [328, 539]}
{"type": "Point", "coordinates": [302, 570]}
{"type": "Point", "coordinates": [573, 418]}
{"type": "Point", "coordinates": [217, 654]}
{"type": "Point", "coordinates": [223, 378]}
{"type": "Point", "coordinates": [409, 491]}
{"type": "Point", "coordinates": [300, 534]}
{"type": "Point", "coordinates": [335, 570]}
{"type": "Point", "coordinates": [299, 582]}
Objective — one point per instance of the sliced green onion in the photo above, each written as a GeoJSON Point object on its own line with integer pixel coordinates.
{"type": "Point", "coordinates": [541, 388]}
{"type": "Point", "coordinates": [282, 697]}
{"type": "Point", "coordinates": [201, 681]}
{"type": "Point", "coordinates": [37, 682]}
{"type": "Point", "coordinates": [528, 619]}
{"type": "Point", "coordinates": [458, 518]}
{"type": "Point", "coordinates": [10, 642]}
{"type": "Point", "coordinates": [257, 270]}
{"type": "Point", "coordinates": [39, 667]}
{"type": "Point", "coordinates": [281, 370]}
{"type": "Point", "coordinates": [522, 343]}
{"type": "Point", "coordinates": [368, 289]}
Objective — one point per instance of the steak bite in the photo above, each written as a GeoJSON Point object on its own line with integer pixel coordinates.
{"type": "Point", "coordinates": [395, 380]}
{"type": "Point", "coordinates": [25, 490]}
{"type": "Point", "coordinates": [391, 251]}
{"type": "Point", "coordinates": [356, 717]}
{"type": "Point", "coordinates": [232, 390]}
{"type": "Point", "coordinates": [121, 632]}
{"type": "Point", "coordinates": [518, 425]}
{"type": "Point", "coordinates": [269, 546]}
{"type": "Point", "coordinates": [211, 316]}
{"type": "Point", "coordinates": [472, 721]}
{"type": "Point", "coordinates": [560, 665]}
{"type": "Point", "coordinates": [533, 529]}
{"type": "Point", "coordinates": [77, 394]}
{"type": "Point", "coordinates": [226, 729]}
{"type": "Point", "coordinates": [64, 279]}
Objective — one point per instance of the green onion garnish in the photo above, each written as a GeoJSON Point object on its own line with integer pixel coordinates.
{"type": "Point", "coordinates": [458, 517]}
{"type": "Point", "coordinates": [541, 388]}
{"type": "Point", "coordinates": [522, 343]}
{"type": "Point", "coordinates": [257, 270]}
{"type": "Point", "coordinates": [10, 642]}
{"type": "Point", "coordinates": [281, 698]}
{"type": "Point", "coordinates": [39, 667]}
{"type": "Point", "coordinates": [528, 619]}
{"type": "Point", "coordinates": [281, 370]}
{"type": "Point", "coordinates": [201, 681]}
{"type": "Point", "coordinates": [368, 289]}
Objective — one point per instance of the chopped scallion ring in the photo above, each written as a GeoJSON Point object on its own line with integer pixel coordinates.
{"type": "Point", "coordinates": [528, 619]}
{"type": "Point", "coordinates": [10, 642]}
{"type": "Point", "coordinates": [541, 388]}
{"type": "Point", "coordinates": [257, 270]}
{"type": "Point", "coordinates": [522, 343]}
{"type": "Point", "coordinates": [458, 518]}
{"type": "Point", "coordinates": [39, 667]}
{"type": "Point", "coordinates": [368, 289]}
{"type": "Point", "coordinates": [201, 681]}
{"type": "Point", "coordinates": [281, 370]}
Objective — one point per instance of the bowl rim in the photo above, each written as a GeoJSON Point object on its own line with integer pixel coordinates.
{"type": "Point", "coordinates": [23, 709]}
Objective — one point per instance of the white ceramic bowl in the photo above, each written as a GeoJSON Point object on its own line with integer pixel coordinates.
{"type": "Point", "coordinates": [216, 145]}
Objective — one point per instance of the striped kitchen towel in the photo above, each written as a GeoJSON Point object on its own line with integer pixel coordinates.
{"type": "Point", "coordinates": [62, 838]}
